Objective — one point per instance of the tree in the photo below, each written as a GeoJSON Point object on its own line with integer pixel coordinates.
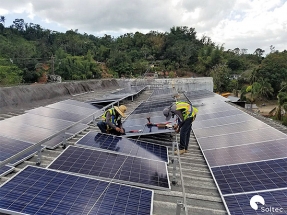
{"type": "Point", "coordinates": [2, 20]}
{"type": "Point", "coordinates": [220, 75]}
{"type": "Point", "coordinates": [282, 104]}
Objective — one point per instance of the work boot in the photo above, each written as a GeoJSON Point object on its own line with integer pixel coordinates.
{"type": "Point", "coordinates": [180, 151]}
{"type": "Point", "coordinates": [186, 151]}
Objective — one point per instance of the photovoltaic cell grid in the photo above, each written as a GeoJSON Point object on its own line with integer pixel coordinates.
{"type": "Point", "coordinates": [73, 108]}
{"type": "Point", "coordinates": [240, 138]}
{"type": "Point", "coordinates": [4, 170]}
{"type": "Point", "coordinates": [108, 165]}
{"type": "Point", "coordinates": [41, 191]}
{"type": "Point", "coordinates": [230, 128]}
{"type": "Point", "coordinates": [250, 177]}
{"type": "Point", "coordinates": [26, 133]}
{"type": "Point", "coordinates": [240, 204]}
{"type": "Point", "coordinates": [40, 121]}
{"type": "Point", "coordinates": [201, 116]}
{"type": "Point", "coordinates": [242, 160]}
{"type": "Point", "coordinates": [203, 94]}
{"type": "Point", "coordinates": [247, 153]}
{"type": "Point", "coordinates": [81, 104]}
{"type": "Point", "coordinates": [198, 124]}
{"type": "Point", "coordinates": [59, 114]}
{"type": "Point", "coordinates": [124, 145]}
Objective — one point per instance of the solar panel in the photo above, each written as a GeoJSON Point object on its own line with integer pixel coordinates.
{"type": "Point", "coordinates": [125, 146]}
{"type": "Point", "coordinates": [251, 177]}
{"type": "Point", "coordinates": [10, 147]}
{"type": "Point", "coordinates": [57, 140]}
{"type": "Point", "coordinates": [230, 128]}
{"type": "Point", "coordinates": [59, 114]}
{"type": "Point", "coordinates": [72, 108]}
{"type": "Point", "coordinates": [109, 165]}
{"type": "Point", "coordinates": [240, 138]}
{"type": "Point", "coordinates": [5, 170]}
{"type": "Point", "coordinates": [40, 121]}
{"type": "Point", "coordinates": [80, 104]}
{"type": "Point", "coordinates": [24, 132]}
{"type": "Point", "coordinates": [274, 203]}
{"type": "Point", "coordinates": [202, 116]}
{"type": "Point", "coordinates": [77, 128]}
{"type": "Point", "coordinates": [247, 153]}
{"type": "Point", "coordinates": [36, 190]}
{"type": "Point", "coordinates": [197, 124]}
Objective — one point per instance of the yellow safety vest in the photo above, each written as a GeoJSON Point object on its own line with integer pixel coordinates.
{"type": "Point", "coordinates": [186, 107]}
{"type": "Point", "coordinates": [113, 113]}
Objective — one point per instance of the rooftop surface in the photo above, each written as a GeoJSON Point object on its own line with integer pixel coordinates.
{"type": "Point", "coordinates": [202, 196]}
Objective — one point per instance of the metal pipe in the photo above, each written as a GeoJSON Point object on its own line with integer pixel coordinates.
{"type": "Point", "coordinates": [181, 177]}
{"type": "Point", "coordinates": [174, 165]}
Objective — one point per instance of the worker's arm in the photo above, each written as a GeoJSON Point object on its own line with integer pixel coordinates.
{"type": "Point", "coordinates": [180, 117]}
{"type": "Point", "coordinates": [108, 120]}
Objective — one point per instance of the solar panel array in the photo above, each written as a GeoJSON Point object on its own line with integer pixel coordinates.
{"type": "Point", "coordinates": [21, 132]}
{"type": "Point", "coordinates": [246, 156]}
{"type": "Point", "coordinates": [113, 166]}
{"type": "Point", "coordinates": [136, 123]}
{"type": "Point", "coordinates": [124, 145]}
{"type": "Point", "coordinates": [36, 190]}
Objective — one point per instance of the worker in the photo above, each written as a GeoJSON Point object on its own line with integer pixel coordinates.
{"type": "Point", "coordinates": [186, 114]}
{"type": "Point", "coordinates": [112, 121]}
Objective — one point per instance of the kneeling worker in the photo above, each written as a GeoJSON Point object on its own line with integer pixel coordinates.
{"type": "Point", "coordinates": [186, 114]}
{"type": "Point", "coordinates": [112, 121]}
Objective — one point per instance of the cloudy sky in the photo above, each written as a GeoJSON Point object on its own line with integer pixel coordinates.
{"type": "Point", "coordinates": [244, 24]}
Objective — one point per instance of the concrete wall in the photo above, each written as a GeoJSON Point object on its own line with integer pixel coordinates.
{"type": "Point", "coordinates": [24, 95]}
{"type": "Point", "coordinates": [180, 84]}
{"type": "Point", "coordinates": [20, 95]}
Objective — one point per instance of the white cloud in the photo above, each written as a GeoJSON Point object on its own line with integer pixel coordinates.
{"type": "Point", "coordinates": [236, 23]}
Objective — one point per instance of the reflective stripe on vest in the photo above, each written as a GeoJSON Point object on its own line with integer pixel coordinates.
{"type": "Point", "coordinates": [113, 115]}
{"type": "Point", "coordinates": [186, 109]}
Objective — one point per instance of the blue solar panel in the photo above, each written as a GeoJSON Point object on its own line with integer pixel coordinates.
{"type": "Point", "coordinates": [274, 203]}
{"type": "Point", "coordinates": [201, 116]}
{"type": "Point", "coordinates": [4, 170]}
{"type": "Point", "coordinates": [40, 121]}
{"type": "Point", "coordinates": [60, 114]}
{"type": "Point", "coordinates": [81, 104]}
{"type": "Point", "coordinates": [124, 145]}
{"type": "Point", "coordinates": [240, 138]}
{"type": "Point", "coordinates": [229, 128]}
{"type": "Point", "coordinates": [197, 124]}
{"type": "Point", "coordinates": [56, 141]}
{"type": "Point", "coordinates": [10, 147]}
{"type": "Point", "coordinates": [73, 108]}
{"type": "Point", "coordinates": [250, 177]}
{"type": "Point", "coordinates": [247, 153]}
{"type": "Point", "coordinates": [24, 132]}
{"type": "Point", "coordinates": [42, 191]}
{"type": "Point", "coordinates": [108, 165]}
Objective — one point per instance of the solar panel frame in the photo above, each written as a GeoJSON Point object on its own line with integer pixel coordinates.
{"type": "Point", "coordinates": [267, 150]}
{"type": "Point", "coordinates": [5, 170]}
{"type": "Point", "coordinates": [56, 141]}
{"type": "Point", "coordinates": [124, 145]}
{"type": "Point", "coordinates": [60, 114]}
{"type": "Point", "coordinates": [251, 177]}
{"type": "Point", "coordinates": [70, 188]}
{"type": "Point", "coordinates": [73, 167]}
{"type": "Point", "coordinates": [240, 138]}
{"type": "Point", "coordinates": [240, 204]}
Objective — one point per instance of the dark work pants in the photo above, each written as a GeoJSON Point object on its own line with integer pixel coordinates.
{"type": "Point", "coordinates": [103, 127]}
{"type": "Point", "coordinates": [185, 134]}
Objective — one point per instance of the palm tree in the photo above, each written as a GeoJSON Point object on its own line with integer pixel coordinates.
{"type": "Point", "coordinates": [282, 103]}
{"type": "Point", "coordinates": [265, 88]}
{"type": "Point", "coordinates": [2, 20]}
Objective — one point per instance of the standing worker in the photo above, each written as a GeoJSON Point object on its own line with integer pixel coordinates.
{"type": "Point", "coordinates": [112, 121]}
{"type": "Point", "coordinates": [186, 114]}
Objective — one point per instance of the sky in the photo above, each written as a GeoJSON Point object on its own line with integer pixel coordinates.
{"type": "Point", "coordinates": [243, 24]}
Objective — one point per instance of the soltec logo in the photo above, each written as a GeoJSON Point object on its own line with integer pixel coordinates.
{"type": "Point", "coordinates": [259, 199]}
{"type": "Point", "coordinates": [254, 200]}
